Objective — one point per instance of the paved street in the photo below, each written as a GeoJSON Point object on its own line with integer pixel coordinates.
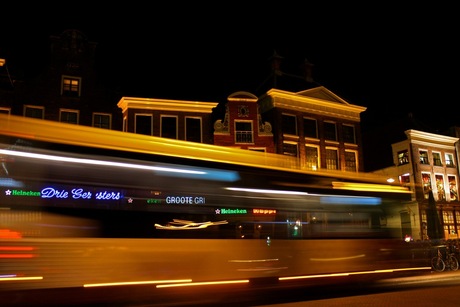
{"type": "Point", "coordinates": [445, 292]}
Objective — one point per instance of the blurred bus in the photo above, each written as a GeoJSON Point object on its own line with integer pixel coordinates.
{"type": "Point", "coordinates": [82, 207]}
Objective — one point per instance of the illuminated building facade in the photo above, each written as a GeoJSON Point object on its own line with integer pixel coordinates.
{"type": "Point", "coordinates": [426, 162]}
{"type": "Point", "coordinates": [319, 128]}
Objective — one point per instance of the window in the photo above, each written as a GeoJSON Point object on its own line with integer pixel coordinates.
{"type": "Point", "coordinates": [426, 182]}
{"type": "Point", "coordinates": [349, 134]}
{"type": "Point", "coordinates": [423, 157]}
{"type": "Point", "coordinates": [243, 132]}
{"type": "Point", "coordinates": [290, 149]}
{"type": "Point", "coordinates": [350, 161]}
{"type": "Point", "coordinates": [330, 131]}
{"type": "Point", "coordinates": [169, 127]}
{"type": "Point", "coordinates": [102, 120]}
{"type": "Point", "coordinates": [405, 180]}
{"type": "Point", "coordinates": [71, 86]}
{"type": "Point", "coordinates": [437, 159]}
{"type": "Point", "coordinates": [193, 129]}
{"type": "Point", "coordinates": [449, 160]}
{"type": "Point", "coordinates": [68, 116]}
{"type": "Point", "coordinates": [5, 110]}
{"type": "Point", "coordinates": [143, 124]}
{"type": "Point", "coordinates": [403, 157]}
{"type": "Point", "coordinates": [258, 149]}
{"type": "Point", "coordinates": [289, 124]}
{"type": "Point", "coordinates": [332, 159]}
{"type": "Point", "coordinates": [453, 194]}
{"type": "Point", "coordinates": [34, 111]}
{"type": "Point", "coordinates": [310, 128]}
{"type": "Point", "coordinates": [440, 187]}
{"type": "Point", "coordinates": [312, 157]}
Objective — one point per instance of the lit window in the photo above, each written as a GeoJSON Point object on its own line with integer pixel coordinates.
{"type": "Point", "coordinates": [312, 157]}
{"type": "Point", "coordinates": [453, 193]}
{"type": "Point", "coordinates": [71, 86]}
{"type": "Point", "coordinates": [437, 159]}
{"type": "Point", "coordinates": [405, 180]}
{"type": "Point", "coordinates": [403, 157]}
{"type": "Point", "coordinates": [332, 159]}
{"type": "Point", "coordinates": [350, 161]}
{"type": "Point", "coordinates": [449, 160]}
{"type": "Point", "coordinates": [423, 157]}
{"type": "Point", "coordinates": [426, 182]}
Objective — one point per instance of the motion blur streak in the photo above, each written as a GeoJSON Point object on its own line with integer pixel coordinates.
{"type": "Point", "coordinates": [205, 283]}
{"type": "Point", "coordinates": [138, 283]}
{"type": "Point", "coordinates": [16, 256]}
{"type": "Point", "coordinates": [20, 278]}
{"type": "Point", "coordinates": [353, 273]}
{"type": "Point", "coordinates": [336, 259]}
{"type": "Point", "coordinates": [368, 187]}
{"type": "Point", "coordinates": [254, 260]}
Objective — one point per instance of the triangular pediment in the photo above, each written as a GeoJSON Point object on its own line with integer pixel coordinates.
{"type": "Point", "coordinates": [322, 93]}
{"type": "Point", "coordinates": [318, 100]}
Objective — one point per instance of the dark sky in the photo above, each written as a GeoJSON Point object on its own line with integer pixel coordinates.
{"type": "Point", "coordinates": [392, 59]}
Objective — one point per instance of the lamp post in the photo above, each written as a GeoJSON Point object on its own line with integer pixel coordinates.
{"type": "Point", "coordinates": [3, 63]}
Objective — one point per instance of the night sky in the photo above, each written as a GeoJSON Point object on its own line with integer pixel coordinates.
{"type": "Point", "coordinates": [394, 60]}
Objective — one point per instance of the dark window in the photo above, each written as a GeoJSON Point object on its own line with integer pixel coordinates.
{"type": "Point", "coordinates": [310, 128]}
{"type": "Point", "coordinates": [193, 129]}
{"type": "Point", "coordinates": [290, 149]}
{"type": "Point", "coordinates": [349, 134]}
{"type": "Point", "coordinates": [34, 112]}
{"type": "Point", "coordinates": [243, 132]}
{"type": "Point", "coordinates": [143, 124]}
{"type": "Point", "coordinates": [330, 131]}
{"type": "Point", "coordinates": [70, 117]}
{"type": "Point", "coordinates": [289, 124]}
{"type": "Point", "coordinates": [169, 127]}
{"type": "Point", "coordinates": [102, 121]}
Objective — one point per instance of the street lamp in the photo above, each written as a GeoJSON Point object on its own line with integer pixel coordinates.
{"type": "Point", "coordinates": [3, 63]}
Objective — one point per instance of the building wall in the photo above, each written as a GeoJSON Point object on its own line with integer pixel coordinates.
{"type": "Point", "coordinates": [448, 207]}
